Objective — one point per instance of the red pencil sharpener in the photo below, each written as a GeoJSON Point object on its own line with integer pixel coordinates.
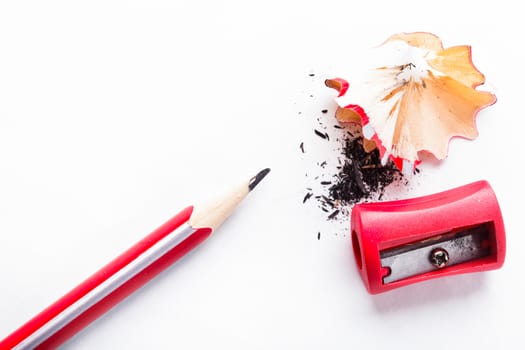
{"type": "Point", "coordinates": [403, 242]}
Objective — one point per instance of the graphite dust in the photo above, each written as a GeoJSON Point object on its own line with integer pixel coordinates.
{"type": "Point", "coordinates": [360, 177]}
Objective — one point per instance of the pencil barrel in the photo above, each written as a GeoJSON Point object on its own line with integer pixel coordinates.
{"type": "Point", "coordinates": [118, 294]}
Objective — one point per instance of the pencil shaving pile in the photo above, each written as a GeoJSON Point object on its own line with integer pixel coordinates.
{"type": "Point", "coordinates": [416, 97]}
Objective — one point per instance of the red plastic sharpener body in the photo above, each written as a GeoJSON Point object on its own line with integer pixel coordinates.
{"type": "Point", "coordinates": [402, 242]}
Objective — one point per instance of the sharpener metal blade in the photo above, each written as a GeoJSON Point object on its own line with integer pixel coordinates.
{"type": "Point", "coordinates": [414, 259]}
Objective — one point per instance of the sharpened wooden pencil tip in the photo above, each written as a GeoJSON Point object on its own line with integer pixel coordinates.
{"type": "Point", "coordinates": [214, 213]}
{"type": "Point", "coordinates": [257, 178]}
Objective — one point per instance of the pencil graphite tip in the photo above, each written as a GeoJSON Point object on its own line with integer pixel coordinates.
{"type": "Point", "coordinates": [257, 178]}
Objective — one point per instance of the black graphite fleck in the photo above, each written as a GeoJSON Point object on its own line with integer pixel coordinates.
{"type": "Point", "coordinates": [320, 134]}
{"type": "Point", "coordinates": [333, 215]}
{"type": "Point", "coordinates": [307, 196]}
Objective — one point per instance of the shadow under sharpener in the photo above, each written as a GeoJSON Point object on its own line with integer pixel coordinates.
{"type": "Point", "coordinates": [402, 242]}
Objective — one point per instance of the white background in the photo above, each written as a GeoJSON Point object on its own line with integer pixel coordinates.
{"type": "Point", "coordinates": [115, 115]}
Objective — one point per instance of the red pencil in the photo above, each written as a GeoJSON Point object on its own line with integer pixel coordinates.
{"type": "Point", "coordinates": [128, 272]}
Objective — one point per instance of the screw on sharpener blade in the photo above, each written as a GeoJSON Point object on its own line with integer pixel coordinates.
{"type": "Point", "coordinates": [439, 257]}
{"type": "Point", "coordinates": [458, 246]}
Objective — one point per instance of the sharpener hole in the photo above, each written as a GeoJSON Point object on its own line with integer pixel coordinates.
{"type": "Point", "coordinates": [357, 250]}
